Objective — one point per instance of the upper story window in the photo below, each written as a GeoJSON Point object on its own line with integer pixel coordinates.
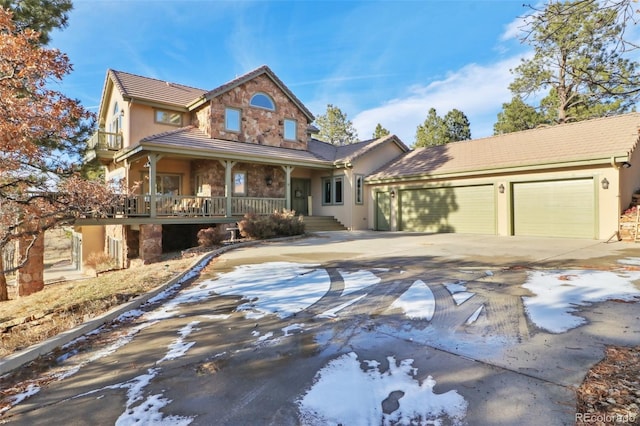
{"type": "Point", "coordinates": [115, 126]}
{"type": "Point", "coordinates": [262, 100]}
{"type": "Point", "coordinates": [290, 129]}
{"type": "Point", "coordinates": [232, 119]}
{"type": "Point", "coordinates": [168, 117]}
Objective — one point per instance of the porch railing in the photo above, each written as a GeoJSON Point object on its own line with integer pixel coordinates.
{"type": "Point", "coordinates": [194, 206]}
{"type": "Point", "coordinates": [105, 141]}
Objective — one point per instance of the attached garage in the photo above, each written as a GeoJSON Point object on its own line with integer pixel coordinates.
{"type": "Point", "coordinates": [562, 208]}
{"type": "Point", "coordinates": [461, 209]}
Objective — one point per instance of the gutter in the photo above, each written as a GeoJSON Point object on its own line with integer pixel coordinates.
{"type": "Point", "coordinates": [488, 171]}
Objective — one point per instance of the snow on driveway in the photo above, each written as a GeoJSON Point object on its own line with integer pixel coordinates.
{"type": "Point", "coordinates": [281, 288]}
{"type": "Point", "coordinates": [560, 293]}
{"type": "Point", "coordinates": [394, 396]}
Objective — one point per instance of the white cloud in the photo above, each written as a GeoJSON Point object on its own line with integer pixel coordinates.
{"type": "Point", "coordinates": [477, 90]}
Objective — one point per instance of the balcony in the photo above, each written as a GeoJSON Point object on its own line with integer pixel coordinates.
{"type": "Point", "coordinates": [103, 145]}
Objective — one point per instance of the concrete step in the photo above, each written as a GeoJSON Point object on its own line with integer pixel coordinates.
{"type": "Point", "coordinates": [322, 223]}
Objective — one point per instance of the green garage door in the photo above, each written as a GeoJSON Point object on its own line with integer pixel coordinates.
{"type": "Point", "coordinates": [463, 209]}
{"type": "Point", "coordinates": [554, 208]}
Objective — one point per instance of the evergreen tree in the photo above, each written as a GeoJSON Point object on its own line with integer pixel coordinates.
{"type": "Point", "coordinates": [41, 16]}
{"type": "Point", "coordinates": [517, 115]}
{"type": "Point", "coordinates": [335, 128]}
{"type": "Point", "coordinates": [380, 132]}
{"type": "Point", "coordinates": [577, 62]}
{"type": "Point", "coordinates": [438, 131]}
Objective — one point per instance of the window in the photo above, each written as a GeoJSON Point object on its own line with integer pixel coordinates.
{"type": "Point", "coordinates": [232, 119]}
{"type": "Point", "coordinates": [262, 100]}
{"type": "Point", "coordinates": [168, 117]}
{"type": "Point", "coordinates": [332, 190]}
{"type": "Point", "coordinates": [240, 183]}
{"type": "Point", "coordinates": [165, 184]}
{"type": "Point", "coordinates": [290, 129]}
{"type": "Point", "coordinates": [359, 189]}
{"type": "Point", "coordinates": [115, 128]}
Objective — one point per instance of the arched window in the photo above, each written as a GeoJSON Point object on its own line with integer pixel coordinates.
{"type": "Point", "coordinates": [262, 100]}
{"type": "Point", "coordinates": [115, 126]}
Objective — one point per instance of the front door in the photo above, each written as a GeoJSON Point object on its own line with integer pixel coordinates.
{"type": "Point", "coordinates": [300, 191]}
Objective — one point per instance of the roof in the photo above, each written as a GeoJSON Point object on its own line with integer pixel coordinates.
{"type": "Point", "coordinates": [350, 152]}
{"type": "Point", "coordinates": [596, 140]}
{"type": "Point", "coordinates": [250, 76]}
{"type": "Point", "coordinates": [153, 90]}
{"type": "Point", "coordinates": [191, 139]}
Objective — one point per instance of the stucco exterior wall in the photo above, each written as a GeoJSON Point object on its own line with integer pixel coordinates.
{"type": "Point", "coordinates": [141, 121]}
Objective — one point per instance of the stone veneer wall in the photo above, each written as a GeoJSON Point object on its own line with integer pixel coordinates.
{"type": "Point", "coordinates": [30, 277]}
{"type": "Point", "coordinates": [150, 243]}
{"type": "Point", "coordinates": [258, 125]}
{"type": "Point", "coordinates": [214, 174]}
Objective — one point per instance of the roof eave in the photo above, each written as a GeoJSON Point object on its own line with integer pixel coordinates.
{"type": "Point", "coordinates": [620, 158]}
{"type": "Point", "coordinates": [213, 154]}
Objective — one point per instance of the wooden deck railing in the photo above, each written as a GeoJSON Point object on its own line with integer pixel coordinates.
{"type": "Point", "coordinates": [105, 141]}
{"type": "Point", "coordinates": [194, 206]}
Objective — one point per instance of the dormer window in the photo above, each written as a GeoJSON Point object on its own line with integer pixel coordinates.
{"type": "Point", "coordinates": [262, 100]}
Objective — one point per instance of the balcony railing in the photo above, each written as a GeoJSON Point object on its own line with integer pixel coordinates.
{"type": "Point", "coordinates": [194, 206]}
{"type": "Point", "coordinates": [105, 141]}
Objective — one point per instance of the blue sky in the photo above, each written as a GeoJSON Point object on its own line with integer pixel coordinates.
{"type": "Point", "coordinates": [382, 62]}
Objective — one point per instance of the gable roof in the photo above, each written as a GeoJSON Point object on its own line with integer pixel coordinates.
{"type": "Point", "coordinates": [600, 141]}
{"type": "Point", "coordinates": [347, 153]}
{"type": "Point", "coordinates": [250, 76]}
{"type": "Point", "coordinates": [153, 90]}
{"type": "Point", "coordinates": [192, 140]}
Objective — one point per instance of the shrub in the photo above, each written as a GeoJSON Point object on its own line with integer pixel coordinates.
{"type": "Point", "coordinates": [210, 237]}
{"type": "Point", "coordinates": [284, 223]}
{"type": "Point", "coordinates": [100, 262]}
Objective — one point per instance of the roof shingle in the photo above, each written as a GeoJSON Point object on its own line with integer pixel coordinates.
{"type": "Point", "coordinates": [597, 139]}
{"type": "Point", "coordinates": [151, 89]}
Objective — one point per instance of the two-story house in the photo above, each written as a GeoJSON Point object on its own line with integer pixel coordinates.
{"type": "Point", "coordinates": [195, 158]}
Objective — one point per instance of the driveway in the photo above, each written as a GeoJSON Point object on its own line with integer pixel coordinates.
{"type": "Point", "coordinates": [357, 328]}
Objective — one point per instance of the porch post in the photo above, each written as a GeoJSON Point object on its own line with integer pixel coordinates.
{"type": "Point", "coordinates": [287, 171]}
{"type": "Point", "coordinates": [228, 192]}
{"type": "Point", "coordinates": [153, 159]}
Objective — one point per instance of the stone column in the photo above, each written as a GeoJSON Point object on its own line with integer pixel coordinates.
{"type": "Point", "coordinates": [30, 277]}
{"type": "Point", "coordinates": [150, 243]}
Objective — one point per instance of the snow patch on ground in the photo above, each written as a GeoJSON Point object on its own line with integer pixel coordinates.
{"type": "Point", "coordinates": [405, 398]}
{"type": "Point", "coordinates": [358, 280]}
{"type": "Point", "coordinates": [560, 293]}
{"type": "Point", "coordinates": [281, 288]}
{"type": "Point", "coordinates": [459, 292]}
{"type": "Point", "coordinates": [418, 302]}
{"type": "Point", "coordinates": [333, 312]}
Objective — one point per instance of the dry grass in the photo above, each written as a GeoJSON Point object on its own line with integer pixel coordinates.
{"type": "Point", "coordinates": [62, 306]}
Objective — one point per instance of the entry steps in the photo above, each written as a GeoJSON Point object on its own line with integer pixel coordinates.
{"type": "Point", "coordinates": [322, 223]}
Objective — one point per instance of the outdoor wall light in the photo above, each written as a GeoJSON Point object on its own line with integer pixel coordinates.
{"type": "Point", "coordinates": [393, 193]}
{"type": "Point", "coordinates": [268, 180]}
{"type": "Point", "coordinates": [501, 189]}
{"type": "Point", "coordinates": [605, 183]}
{"type": "Point", "coordinates": [626, 165]}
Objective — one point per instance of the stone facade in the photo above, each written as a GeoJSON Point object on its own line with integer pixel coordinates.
{"type": "Point", "coordinates": [30, 277]}
{"type": "Point", "coordinates": [150, 243]}
{"type": "Point", "coordinates": [258, 125]}
{"type": "Point", "coordinates": [212, 174]}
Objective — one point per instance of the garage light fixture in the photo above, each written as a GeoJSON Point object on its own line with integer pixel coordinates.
{"type": "Point", "coordinates": [393, 193]}
{"type": "Point", "coordinates": [605, 183]}
{"type": "Point", "coordinates": [501, 189]}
